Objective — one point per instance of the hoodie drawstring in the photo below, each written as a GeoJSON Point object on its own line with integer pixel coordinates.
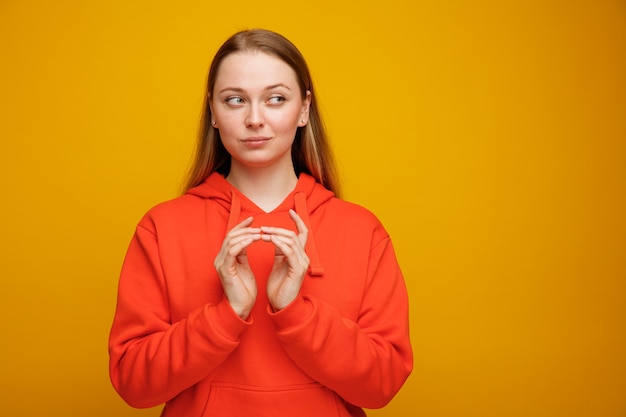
{"type": "Point", "coordinates": [235, 211]}
{"type": "Point", "coordinates": [315, 267]}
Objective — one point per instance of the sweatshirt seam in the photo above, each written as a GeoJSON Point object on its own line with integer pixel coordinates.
{"type": "Point", "coordinates": [369, 275]}
{"type": "Point", "coordinates": [152, 232]}
{"type": "Point", "coordinates": [163, 279]}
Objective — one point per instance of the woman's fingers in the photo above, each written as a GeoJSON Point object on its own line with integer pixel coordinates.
{"type": "Point", "coordinates": [303, 232]}
{"type": "Point", "coordinates": [238, 244]}
{"type": "Point", "coordinates": [291, 249]}
{"type": "Point", "coordinates": [238, 238]}
{"type": "Point", "coordinates": [232, 267]}
{"type": "Point", "coordinates": [288, 242]}
{"type": "Point", "coordinates": [290, 263]}
{"type": "Point", "coordinates": [242, 229]}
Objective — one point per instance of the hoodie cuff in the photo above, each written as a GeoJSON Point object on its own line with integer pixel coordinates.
{"type": "Point", "coordinates": [296, 314]}
{"type": "Point", "coordinates": [226, 322]}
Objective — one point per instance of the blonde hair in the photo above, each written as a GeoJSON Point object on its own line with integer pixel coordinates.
{"type": "Point", "coordinates": [310, 151]}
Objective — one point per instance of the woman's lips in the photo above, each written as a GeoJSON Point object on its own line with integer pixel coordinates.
{"type": "Point", "coordinates": [255, 141]}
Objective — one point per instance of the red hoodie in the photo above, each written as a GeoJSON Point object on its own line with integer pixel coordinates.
{"type": "Point", "coordinates": [341, 345]}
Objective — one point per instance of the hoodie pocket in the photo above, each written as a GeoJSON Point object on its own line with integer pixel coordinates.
{"type": "Point", "coordinates": [308, 400]}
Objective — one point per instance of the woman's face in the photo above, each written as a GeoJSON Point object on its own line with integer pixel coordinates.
{"type": "Point", "coordinates": [257, 106]}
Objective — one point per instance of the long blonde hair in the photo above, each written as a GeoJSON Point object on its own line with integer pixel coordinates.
{"type": "Point", "coordinates": [310, 152]}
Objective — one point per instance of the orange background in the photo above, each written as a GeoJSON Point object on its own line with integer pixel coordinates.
{"type": "Point", "coordinates": [488, 136]}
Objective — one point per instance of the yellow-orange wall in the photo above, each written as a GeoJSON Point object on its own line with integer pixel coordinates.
{"type": "Point", "coordinates": [488, 136]}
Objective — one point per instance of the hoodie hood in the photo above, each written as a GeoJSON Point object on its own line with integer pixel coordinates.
{"type": "Point", "coordinates": [305, 199]}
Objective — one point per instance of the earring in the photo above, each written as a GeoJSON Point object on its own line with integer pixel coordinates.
{"type": "Point", "coordinates": [213, 122]}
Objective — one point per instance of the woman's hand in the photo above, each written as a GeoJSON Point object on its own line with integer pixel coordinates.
{"type": "Point", "coordinates": [233, 269]}
{"type": "Point", "coordinates": [290, 262]}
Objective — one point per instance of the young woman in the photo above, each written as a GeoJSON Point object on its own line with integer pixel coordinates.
{"type": "Point", "coordinates": [259, 292]}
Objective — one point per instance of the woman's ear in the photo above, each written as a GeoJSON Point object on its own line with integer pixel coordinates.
{"type": "Point", "coordinates": [213, 121]}
{"type": "Point", "coordinates": [304, 114]}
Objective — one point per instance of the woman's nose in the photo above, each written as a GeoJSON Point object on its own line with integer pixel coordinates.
{"type": "Point", "coordinates": [255, 118]}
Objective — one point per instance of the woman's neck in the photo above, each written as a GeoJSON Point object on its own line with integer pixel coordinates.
{"type": "Point", "coordinates": [266, 187]}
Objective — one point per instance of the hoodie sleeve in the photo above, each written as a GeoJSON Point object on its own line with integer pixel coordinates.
{"type": "Point", "coordinates": [365, 361]}
{"type": "Point", "coordinates": [151, 358]}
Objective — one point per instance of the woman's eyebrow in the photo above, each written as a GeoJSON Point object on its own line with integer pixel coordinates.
{"type": "Point", "coordinates": [241, 90]}
{"type": "Point", "coordinates": [273, 86]}
{"type": "Point", "coordinates": [234, 89]}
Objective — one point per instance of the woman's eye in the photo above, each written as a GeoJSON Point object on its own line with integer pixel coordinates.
{"type": "Point", "coordinates": [234, 100]}
{"type": "Point", "coordinates": [276, 100]}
